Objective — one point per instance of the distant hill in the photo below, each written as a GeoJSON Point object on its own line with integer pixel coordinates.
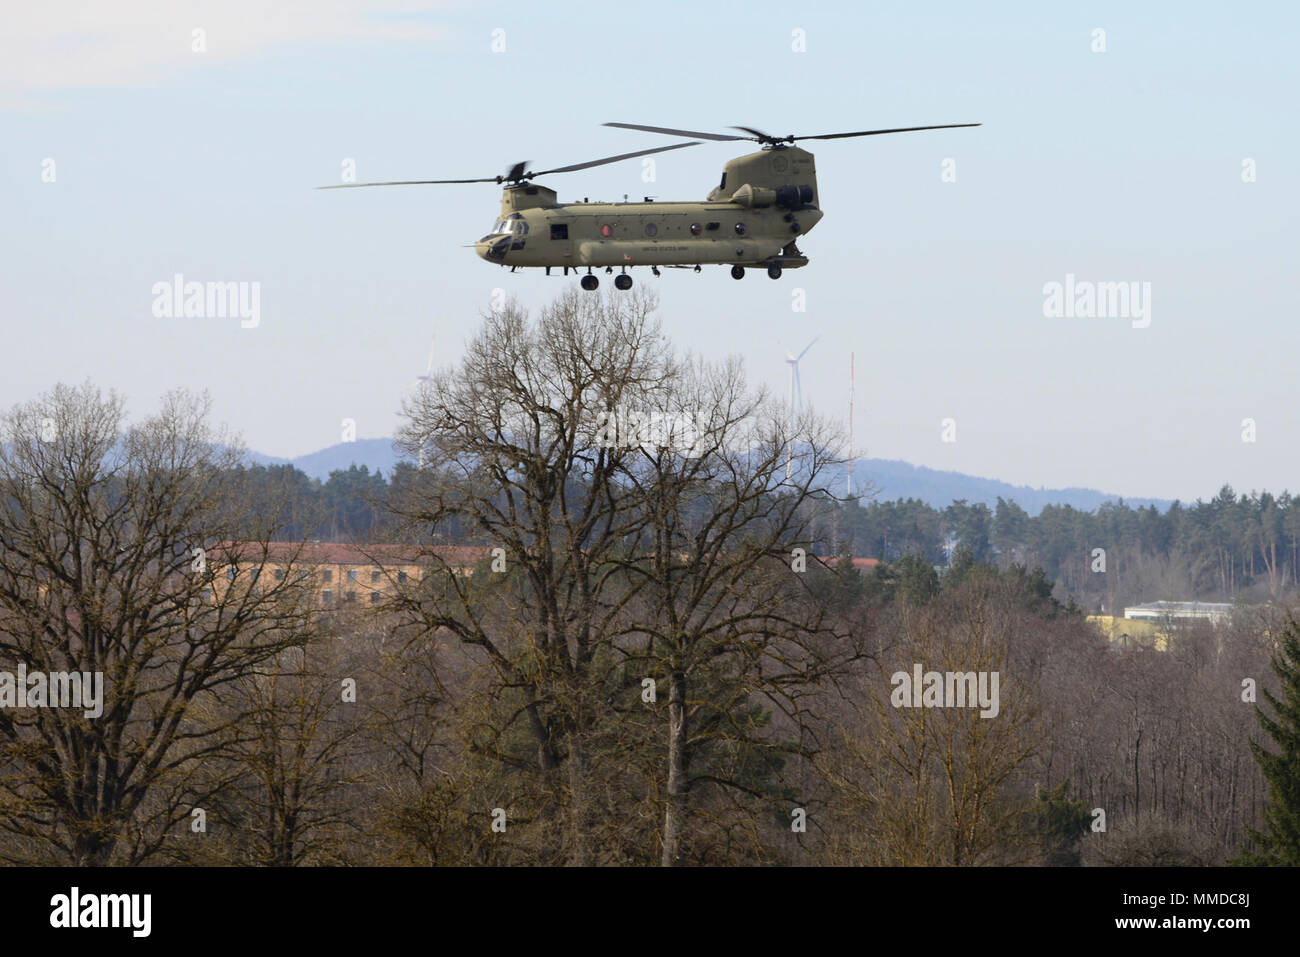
{"type": "Point", "coordinates": [375, 454]}
{"type": "Point", "coordinates": [892, 479]}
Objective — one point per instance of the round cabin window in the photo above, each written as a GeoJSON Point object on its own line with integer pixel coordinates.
{"type": "Point", "coordinates": [740, 229]}
{"type": "Point", "coordinates": [651, 229]}
{"type": "Point", "coordinates": [607, 230]}
{"type": "Point", "coordinates": [695, 229]}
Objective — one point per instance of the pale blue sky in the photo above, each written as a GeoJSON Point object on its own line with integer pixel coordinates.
{"type": "Point", "coordinates": [1123, 165]}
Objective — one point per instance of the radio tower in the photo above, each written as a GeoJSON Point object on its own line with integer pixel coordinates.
{"type": "Point", "coordinates": [848, 489]}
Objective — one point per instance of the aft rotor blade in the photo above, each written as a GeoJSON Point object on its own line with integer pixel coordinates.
{"type": "Point", "coordinates": [413, 182]}
{"type": "Point", "coordinates": [673, 132]}
{"type": "Point", "coordinates": [904, 129]}
{"type": "Point", "coordinates": [612, 159]}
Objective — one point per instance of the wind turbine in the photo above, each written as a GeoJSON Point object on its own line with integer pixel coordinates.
{"type": "Point", "coordinates": [423, 381]}
{"type": "Point", "coordinates": [796, 387]}
{"type": "Point", "coordinates": [796, 392]}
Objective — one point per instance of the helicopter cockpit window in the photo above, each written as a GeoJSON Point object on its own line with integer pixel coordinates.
{"type": "Point", "coordinates": [723, 184]}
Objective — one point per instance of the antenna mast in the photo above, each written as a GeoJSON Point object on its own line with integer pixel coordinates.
{"type": "Point", "coordinates": [849, 485]}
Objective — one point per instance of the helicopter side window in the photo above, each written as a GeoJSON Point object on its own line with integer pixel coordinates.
{"type": "Point", "coordinates": [559, 230]}
{"type": "Point", "coordinates": [695, 229]}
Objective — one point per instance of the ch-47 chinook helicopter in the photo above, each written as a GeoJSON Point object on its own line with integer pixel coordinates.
{"type": "Point", "coordinates": [765, 201]}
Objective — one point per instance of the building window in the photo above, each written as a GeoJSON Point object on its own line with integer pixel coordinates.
{"type": "Point", "coordinates": [374, 598]}
{"type": "Point", "coordinates": [696, 229]}
{"type": "Point", "coordinates": [401, 578]}
{"type": "Point", "coordinates": [559, 230]}
{"type": "Point", "coordinates": [374, 576]}
{"type": "Point", "coordinates": [305, 574]}
{"type": "Point", "coordinates": [607, 230]}
{"type": "Point", "coordinates": [327, 575]}
{"type": "Point", "coordinates": [327, 596]}
{"type": "Point", "coordinates": [207, 594]}
{"type": "Point", "coordinates": [352, 574]}
{"type": "Point", "coordinates": [279, 574]}
{"type": "Point", "coordinates": [254, 574]}
{"type": "Point", "coordinates": [231, 572]}
{"type": "Point", "coordinates": [651, 229]}
{"type": "Point", "coordinates": [350, 595]}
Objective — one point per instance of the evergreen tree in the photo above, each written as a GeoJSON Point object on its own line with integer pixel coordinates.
{"type": "Point", "coordinates": [1279, 842]}
{"type": "Point", "coordinates": [1059, 822]}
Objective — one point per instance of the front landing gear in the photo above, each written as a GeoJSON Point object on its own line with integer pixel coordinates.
{"type": "Point", "coordinates": [590, 282]}
{"type": "Point", "coordinates": [737, 272]}
{"type": "Point", "coordinates": [774, 271]}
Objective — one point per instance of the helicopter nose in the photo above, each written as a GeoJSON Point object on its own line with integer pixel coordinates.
{"type": "Point", "coordinates": [493, 248]}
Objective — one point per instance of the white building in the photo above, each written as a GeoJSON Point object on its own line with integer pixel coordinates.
{"type": "Point", "coordinates": [1179, 610]}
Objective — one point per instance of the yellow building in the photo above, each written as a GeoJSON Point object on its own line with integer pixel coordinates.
{"type": "Point", "coordinates": [342, 573]}
{"type": "Point", "coordinates": [1131, 632]}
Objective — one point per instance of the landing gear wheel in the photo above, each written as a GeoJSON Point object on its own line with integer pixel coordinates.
{"type": "Point", "coordinates": [774, 272]}
{"type": "Point", "coordinates": [590, 282]}
{"type": "Point", "coordinates": [737, 272]}
{"type": "Point", "coordinates": [622, 281]}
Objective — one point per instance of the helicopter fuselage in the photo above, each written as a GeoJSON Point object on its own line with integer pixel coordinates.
{"type": "Point", "coordinates": [765, 201]}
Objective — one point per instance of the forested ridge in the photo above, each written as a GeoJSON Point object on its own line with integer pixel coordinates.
{"type": "Point", "coordinates": [1235, 546]}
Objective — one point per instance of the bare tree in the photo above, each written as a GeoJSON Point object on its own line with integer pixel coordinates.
{"type": "Point", "coordinates": [507, 441]}
{"type": "Point", "coordinates": [118, 563]}
{"type": "Point", "coordinates": [722, 614]}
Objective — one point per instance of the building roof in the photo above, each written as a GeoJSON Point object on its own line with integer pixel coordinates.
{"type": "Point", "coordinates": [343, 553]}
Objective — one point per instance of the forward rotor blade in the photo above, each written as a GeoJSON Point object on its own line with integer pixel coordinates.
{"type": "Point", "coordinates": [805, 350]}
{"type": "Point", "coordinates": [904, 129]}
{"type": "Point", "coordinates": [412, 182]}
{"type": "Point", "coordinates": [673, 132]}
{"type": "Point", "coordinates": [612, 159]}
{"type": "Point", "coordinates": [754, 134]}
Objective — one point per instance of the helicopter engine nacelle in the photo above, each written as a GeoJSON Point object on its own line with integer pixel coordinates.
{"type": "Point", "coordinates": [754, 196]}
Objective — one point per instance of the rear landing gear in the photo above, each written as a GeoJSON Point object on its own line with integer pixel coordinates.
{"type": "Point", "coordinates": [774, 271]}
{"type": "Point", "coordinates": [737, 272]}
{"type": "Point", "coordinates": [622, 281]}
{"type": "Point", "coordinates": [590, 282]}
